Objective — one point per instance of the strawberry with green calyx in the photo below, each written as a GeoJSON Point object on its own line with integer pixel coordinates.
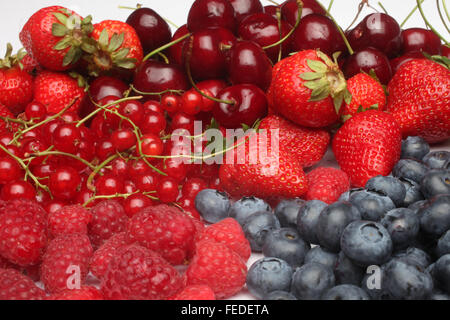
{"type": "Point", "coordinates": [309, 89]}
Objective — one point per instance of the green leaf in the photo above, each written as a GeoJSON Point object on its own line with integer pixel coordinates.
{"type": "Point", "coordinates": [61, 18]}
{"type": "Point", "coordinates": [325, 58]}
{"type": "Point", "coordinates": [59, 30]}
{"type": "Point", "coordinates": [63, 44]}
{"type": "Point", "coordinates": [72, 56]}
{"type": "Point", "coordinates": [346, 117]}
{"type": "Point", "coordinates": [308, 76]}
{"type": "Point", "coordinates": [336, 56]}
{"type": "Point", "coordinates": [245, 126]}
{"type": "Point", "coordinates": [373, 75]}
{"type": "Point", "coordinates": [338, 100]}
{"type": "Point", "coordinates": [317, 66]}
{"type": "Point", "coordinates": [116, 41]}
{"type": "Point", "coordinates": [348, 97]}
{"type": "Point", "coordinates": [104, 38]}
{"type": "Point", "coordinates": [127, 63]}
{"type": "Point", "coordinates": [87, 20]}
{"type": "Point", "coordinates": [320, 94]}
{"type": "Point", "coordinates": [88, 48]}
{"type": "Point", "coordinates": [121, 54]}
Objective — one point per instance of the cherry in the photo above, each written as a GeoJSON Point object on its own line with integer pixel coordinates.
{"type": "Point", "coordinates": [192, 187]}
{"type": "Point", "coordinates": [9, 170]}
{"type": "Point", "coordinates": [418, 39]}
{"type": "Point", "coordinates": [135, 203]}
{"type": "Point", "coordinates": [151, 145]}
{"type": "Point", "coordinates": [54, 205]}
{"type": "Point", "coordinates": [176, 51]}
{"type": "Point", "coordinates": [264, 30]}
{"type": "Point", "coordinates": [123, 139]}
{"type": "Point", "coordinates": [147, 182]}
{"type": "Point", "coordinates": [154, 106]}
{"type": "Point", "coordinates": [244, 8]}
{"type": "Point", "coordinates": [66, 137]}
{"type": "Point", "coordinates": [64, 183]}
{"type": "Point", "coordinates": [170, 102]}
{"type": "Point", "coordinates": [104, 149]}
{"type": "Point", "coordinates": [445, 51]}
{"type": "Point", "coordinates": [18, 189]}
{"type": "Point", "coordinates": [289, 10]}
{"type": "Point", "coordinates": [35, 110]}
{"type": "Point", "coordinates": [211, 13]}
{"type": "Point", "coordinates": [212, 89]}
{"type": "Point", "coordinates": [109, 184]}
{"type": "Point", "coordinates": [366, 60]}
{"type": "Point", "coordinates": [399, 61]}
{"type": "Point", "coordinates": [133, 110]}
{"type": "Point", "coordinates": [153, 122]}
{"type": "Point", "coordinates": [167, 190]}
{"type": "Point", "coordinates": [184, 121]}
{"type": "Point", "coordinates": [249, 64]}
{"type": "Point", "coordinates": [250, 104]}
{"type": "Point", "coordinates": [272, 10]}
{"type": "Point", "coordinates": [377, 30]}
{"type": "Point", "coordinates": [316, 31]}
{"type": "Point", "coordinates": [151, 28]}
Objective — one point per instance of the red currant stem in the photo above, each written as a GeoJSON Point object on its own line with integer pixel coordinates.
{"type": "Point", "coordinates": [438, 4]}
{"type": "Point", "coordinates": [164, 57]}
{"type": "Point", "coordinates": [330, 5]}
{"type": "Point", "coordinates": [382, 7]}
{"type": "Point", "coordinates": [428, 23]}
{"type": "Point", "coordinates": [169, 136]}
{"type": "Point", "coordinates": [60, 153]}
{"type": "Point", "coordinates": [166, 46]}
{"type": "Point", "coordinates": [297, 22]}
{"type": "Point", "coordinates": [97, 169]}
{"type": "Point", "coordinates": [410, 14]}
{"type": "Point", "coordinates": [155, 93]}
{"type": "Point", "coordinates": [19, 121]}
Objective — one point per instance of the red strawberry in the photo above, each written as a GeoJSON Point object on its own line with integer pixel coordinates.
{"type": "Point", "coordinates": [16, 286]}
{"type": "Point", "coordinates": [327, 184]}
{"type": "Point", "coordinates": [309, 89]}
{"type": "Point", "coordinates": [419, 99]}
{"type": "Point", "coordinates": [195, 292]}
{"type": "Point", "coordinates": [367, 145]}
{"type": "Point", "coordinates": [29, 64]}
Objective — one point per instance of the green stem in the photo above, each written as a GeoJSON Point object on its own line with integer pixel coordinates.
{"type": "Point", "coordinates": [330, 5]}
{"type": "Point", "coordinates": [164, 57]}
{"type": "Point", "coordinates": [91, 177]}
{"type": "Point", "coordinates": [445, 10]}
{"type": "Point", "coordinates": [273, 2]}
{"type": "Point", "coordinates": [59, 153]}
{"type": "Point", "coordinates": [428, 23]}
{"type": "Point", "coordinates": [382, 7]}
{"type": "Point", "coordinates": [166, 46]}
{"type": "Point", "coordinates": [155, 93]}
{"type": "Point", "coordinates": [410, 14]}
{"type": "Point", "coordinates": [360, 8]}
{"type": "Point", "coordinates": [442, 16]}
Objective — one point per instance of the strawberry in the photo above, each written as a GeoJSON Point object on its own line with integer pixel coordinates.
{"type": "Point", "coordinates": [367, 145]}
{"type": "Point", "coordinates": [419, 99]}
{"type": "Point", "coordinates": [309, 89]}
{"type": "Point", "coordinates": [54, 36]}
{"type": "Point", "coordinates": [308, 145]}
{"type": "Point", "coordinates": [326, 184]}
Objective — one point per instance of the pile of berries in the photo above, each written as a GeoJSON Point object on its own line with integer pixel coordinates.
{"type": "Point", "coordinates": [108, 188]}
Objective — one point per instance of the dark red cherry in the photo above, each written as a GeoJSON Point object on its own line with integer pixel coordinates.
{"type": "Point", "coordinates": [264, 30]}
{"type": "Point", "coordinates": [366, 60]}
{"type": "Point", "coordinates": [445, 51]}
{"type": "Point", "coordinates": [243, 8]}
{"type": "Point", "coordinates": [206, 55]}
{"type": "Point", "coordinates": [176, 51]}
{"type": "Point", "coordinates": [399, 61]}
{"type": "Point", "coordinates": [377, 30]}
{"type": "Point", "coordinates": [211, 13]}
{"type": "Point", "coordinates": [18, 190]}
{"type": "Point", "coordinates": [211, 88]}
{"type": "Point", "coordinates": [272, 10]}
{"type": "Point", "coordinates": [418, 39]}
{"type": "Point", "coordinates": [250, 104]}
{"type": "Point", "coordinates": [317, 31]}
{"type": "Point", "coordinates": [151, 28]}
{"type": "Point", "coordinates": [249, 64]}
{"type": "Point", "coordinates": [289, 10]}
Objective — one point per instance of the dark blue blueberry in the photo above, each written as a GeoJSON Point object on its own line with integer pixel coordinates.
{"type": "Point", "coordinates": [212, 205]}
{"type": "Point", "coordinates": [246, 206]}
{"type": "Point", "coordinates": [347, 272]}
{"type": "Point", "coordinates": [346, 195]}
{"type": "Point", "coordinates": [413, 193]}
{"type": "Point", "coordinates": [267, 275]}
{"type": "Point", "coordinates": [332, 222]}
{"type": "Point", "coordinates": [287, 212]}
{"type": "Point", "coordinates": [307, 219]}
{"type": "Point", "coordinates": [279, 295]}
{"type": "Point", "coordinates": [439, 295]}
{"type": "Point", "coordinates": [410, 169]}
{"type": "Point", "coordinates": [311, 281]}
{"type": "Point", "coordinates": [435, 218]}
{"type": "Point", "coordinates": [257, 226]}
{"type": "Point", "coordinates": [403, 225]}
{"type": "Point", "coordinates": [436, 159]}
{"type": "Point", "coordinates": [443, 245]}
{"type": "Point", "coordinates": [346, 292]}
{"type": "Point", "coordinates": [436, 182]}
{"type": "Point", "coordinates": [388, 186]}
{"type": "Point", "coordinates": [322, 256]}
{"type": "Point", "coordinates": [366, 243]}
{"type": "Point", "coordinates": [372, 206]}
{"type": "Point", "coordinates": [441, 273]}
{"type": "Point", "coordinates": [416, 255]}
{"type": "Point", "coordinates": [405, 280]}
{"type": "Point", "coordinates": [416, 206]}
{"type": "Point", "coordinates": [286, 244]}
{"type": "Point", "coordinates": [415, 148]}
{"type": "Point", "coordinates": [446, 165]}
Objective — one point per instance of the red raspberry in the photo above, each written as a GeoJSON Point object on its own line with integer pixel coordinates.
{"type": "Point", "coordinates": [84, 293]}
{"type": "Point", "coordinates": [25, 207]}
{"type": "Point", "coordinates": [103, 255]}
{"type": "Point", "coordinates": [327, 184]}
{"type": "Point", "coordinates": [16, 286]}
{"type": "Point", "coordinates": [165, 230]}
{"type": "Point", "coordinates": [230, 233]}
{"type": "Point", "coordinates": [108, 218]}
{"type": "Point", "coordinates": [195, 292]}
{"type": "Point", "coordinates": [219, 267]}
{"type": "Point", "coordinates": [136, 273]}
{"type": "Point", "coordinates": [66, 255]}
{"type": "Point", "coordinates": [68, 219]}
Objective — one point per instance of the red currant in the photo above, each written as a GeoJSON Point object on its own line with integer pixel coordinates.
{"type": "Point", "coordinates": [171, 102]}
{"type": "Point", "coordinates": [133, 110]}
{"type": "Point", "coordinates": [123, 139]}
{"type": "Point", "coordinates": [35, 110]}
{"type": "Point", "coordinates": [154, 106]}
{"type": "Point", "coordinates": [147, 182]}
{"type": "Point", "coordinates": [151, 145]}
{"type": "Point", "coordinates": [135, 203]}
{"type": "Point", "coordinates": [192, 187]}
{"type": "Point", "coordinates": [119, 167]}
{"type": "Point", "coordinates": [175, 168]}
{"type": "Point", "coordinates": [167, 190]}
{"type": "Point", "coordinates": [104, 149]}
{"type": "Point", "coordinates": [66, 137]}
{"type": "Point", "coordinates": [181, 120]}
{"type": "Point", "coordinates": [65, 183]}
{"type": "Point", "coordinates": [9, 170]}
{"type": "Point", "coordinates": [18, 189]}
{"type": "Point", "coordinates": [109, 184]}
{"type": "Point", "coordinates": [191, 102]}
{"type": "Point", "coordinates": [54, 205]}
{"type": "Point", "coordinates": [153, 122]}
{"type": "Point", "coordinates": [137, 168]}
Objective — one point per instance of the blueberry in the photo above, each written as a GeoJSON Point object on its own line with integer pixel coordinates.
{"type": "Point", "coordinates": [372, 206]}
{"type": "Point", "coordinates": [345, 292]}
{"type": "Point", "coordinates": [415, 148]}
{"type": "Point", "coordinates": [267, 275]}
{"type": "Point", "coordinates": [416, 206]}
{"type": "Point", "coordinates": [403, 225]}
{"type": "Point", "coordinates": [410, 169]}
{"type": "Point", "coordinates": [332, 222]}
{"type": "Point", "coordinates": [443, 245]}
{"type": "Point", "coordinates": [388, 186]}
{"type": "Point", "coordinates": [213, 205]}
{"type": "Point", "coordinates": [366, 243]}
{"type": "Point", "coordinates": [441, 273]}
{"type": "Point", "coordinates": [346, 195]}
{"type": "Point", "coordinates": [257, 226]}
{"type": "Point", "coordinates": [435, 218]}
{"type": "Point", "coordinates": [413, 193]}
{"type": "Point", "coordinates": [347, 272]}
{"type": "Point", "coordinates": [286, 244]}
{"type": "Point", "coordinates": [287, 212]}
{"type": "Point", "coordinates": [322, 256]}
{"type": "Point", "coordinates": [406, 280]}
{"type": "Point", "coordinates": [307, 219]}
{"type": "Point", "coordinates": [311, 281]}
{"type": "Point", "coordinates": [279, 295]}
{"type": "Point", "coordinates": [446, 165]}
{"type": "Point", "coordinates": [439, 295]}
{"type": "Point", "coordinates": [436, 159]}
{"type": "Point", "coordinates": [415, 255]}
{"type": "Point", "coordinates": [246, 206]}
{"type": "Point", "coordinates": [436, 182]}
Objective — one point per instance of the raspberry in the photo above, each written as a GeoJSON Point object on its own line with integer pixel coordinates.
{"type": "Point", "coordinates": [219, 267]}
{"type": "Point", "coordinates": [103, 255]}
{"type": "Point", "coordinates": [65, 261]}
{"type": "Point", "coordinates": [68, 219]}
{"type": "Point", "coordinates": [25, 207]}
{"type": "Point", "coordinates": [108, 218]}
{"type": "Point", "coordinates": [327, 184]}
{"type": "Point", "coordinates": [230, 233]}
{"type": "Point", "coordinates": [165, 230]}
{"type": "Point", "coordinates": [136, 273]}
{"type": "Point", "coordinates": [84, 293]}
{"type": "Point", "coordinates": [195, 292]}
{"type": "Point", "coordinates": [16, 286]}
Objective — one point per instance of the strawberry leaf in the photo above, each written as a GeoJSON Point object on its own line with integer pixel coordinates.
{"type": "Point", "coordinates": [116, 41]}
{"type": "Point", "coordinates": [63, 44]}
{"type": "Point", "coordinates": [61, 18]}
{"type": "Point", "coordinates": [104, 38]}
{"type": "Point", "coordinates": [59, 30]}
{"type": "Point", "coordinates": [308, 76]}
{"type": "Point", "coordinates": [317, 66]}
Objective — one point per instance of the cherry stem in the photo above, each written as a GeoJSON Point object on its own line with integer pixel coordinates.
{"type": "Point", "coordinates": [164, 57]}
{"type": "Point", "coordinates": [60, 153]}
{"type": "Point", "coordinates": [273, 2]}
{"type": "Point", "coordinates": [166, 46]}
{"type": "Point", "coordinates": [360, 8]}
{"type": "Point", "coordinates": [445, 9]}
{"type": "Point", "coordinates": [442, 16]}
{"type": "Point", "coordinates": [428, 23]}
{"type": "Point", "coordinates": [410, 14]}
{"type": "Point", "coordinates": [382, 7]}
{"type": "Point", "coordinates": [279, 19]}
{"type": "Point", "coordinates": [330, 5]}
